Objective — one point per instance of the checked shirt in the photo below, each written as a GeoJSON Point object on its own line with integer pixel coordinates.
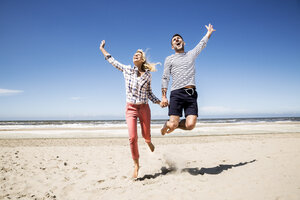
{"type": "Point", "coordinates": [138, 89]}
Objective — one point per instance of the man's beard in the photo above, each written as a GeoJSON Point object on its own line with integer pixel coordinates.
{"type": "Point", "coordinates": [180, 48]}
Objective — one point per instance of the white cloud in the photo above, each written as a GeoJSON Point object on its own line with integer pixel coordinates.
{"type": "Point", "coordinates": [75, 98]}
{"type": "Point", "coordinates": [6, 92]}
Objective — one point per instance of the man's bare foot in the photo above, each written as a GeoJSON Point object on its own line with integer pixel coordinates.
{"type": "Point", "coordinates": [135, 171]}
{"type": "Point", "coordinates": [170, 131]}
{"type": "Point", "coordinates": [151, 146]}
{"type": "Point", "coordinates": [164, 129]}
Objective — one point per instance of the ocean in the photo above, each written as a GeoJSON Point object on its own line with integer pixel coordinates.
{"type": "Point", "coordinates": [118, 128]}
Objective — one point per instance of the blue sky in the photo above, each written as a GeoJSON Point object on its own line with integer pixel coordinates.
{"type": "Point", "coordinates": [51, 66]}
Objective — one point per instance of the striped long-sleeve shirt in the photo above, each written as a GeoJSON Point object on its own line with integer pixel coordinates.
{"type": "Point", "coordinates": [138, 89]}
{"type": "Point", "coordinates": [181, 67]}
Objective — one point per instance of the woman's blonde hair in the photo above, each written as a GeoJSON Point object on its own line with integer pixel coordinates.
{"type": "Point", "coordinates": [146, 65]}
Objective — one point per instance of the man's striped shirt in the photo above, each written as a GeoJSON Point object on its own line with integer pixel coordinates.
{"type": "Point", "coordinates": [181, 67]}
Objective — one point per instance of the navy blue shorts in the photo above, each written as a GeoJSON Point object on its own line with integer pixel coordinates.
{"type": "Point", "coordinates": [183, 99]}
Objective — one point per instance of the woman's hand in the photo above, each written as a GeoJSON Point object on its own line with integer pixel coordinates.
{"type": "Point", "coordinates": [102, 45]}
{"type": "Point", "coordinates": [105, 53]}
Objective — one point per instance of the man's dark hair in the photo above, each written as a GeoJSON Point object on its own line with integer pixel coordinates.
{"type": "Point", "coordinates": [175, 36]}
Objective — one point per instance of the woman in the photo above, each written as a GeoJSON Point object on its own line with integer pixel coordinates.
{"type": "Point", "coordinates": [138, 91]}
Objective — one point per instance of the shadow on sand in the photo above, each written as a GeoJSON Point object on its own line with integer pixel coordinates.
{"type": "Point", "coordinates": [213, 170]}
{"type": "Point", "coordinates": [164, 171]}
{"type": "Point", "coordinates": [194, 171]}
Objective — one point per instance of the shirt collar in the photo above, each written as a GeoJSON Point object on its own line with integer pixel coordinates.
{"type": "Point", "coordinates": [183, 53]}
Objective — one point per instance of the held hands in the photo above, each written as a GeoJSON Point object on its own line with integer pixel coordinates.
{"type": "Point", "coordinates": [164, 102]}
{"type": "Point", "coordinates": [210, 30]}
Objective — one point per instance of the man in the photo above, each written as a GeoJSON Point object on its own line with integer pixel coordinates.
{"type": "Point", "coordinates": [181, 67]}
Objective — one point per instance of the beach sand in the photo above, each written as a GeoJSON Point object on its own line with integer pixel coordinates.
{"type": "Point", "coordinates": [256, 166]}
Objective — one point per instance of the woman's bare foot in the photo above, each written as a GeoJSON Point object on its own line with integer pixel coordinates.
{"type": "Point", "coordinates": [136, 169]}
{"type": "Point", "coordinates": [135, 172]}
{"type": "Point", "coordinates": [151, 146]}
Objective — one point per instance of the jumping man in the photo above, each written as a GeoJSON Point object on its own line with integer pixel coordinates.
{"type": "Point", "coordinates": [181, 67]}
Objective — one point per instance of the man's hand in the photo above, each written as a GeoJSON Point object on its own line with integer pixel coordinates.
{"type": "Point", "coordinates": [164, 102]}
{"type": "Point", "coordinates": [102, 44]}
{"type": "Point", "coordinates": [210, 30]}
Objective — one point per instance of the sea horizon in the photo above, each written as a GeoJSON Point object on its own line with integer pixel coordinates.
{"type": "Point", "coordinates": [152, 119]}
{"type": "Point", "coordinates": [118, 128]}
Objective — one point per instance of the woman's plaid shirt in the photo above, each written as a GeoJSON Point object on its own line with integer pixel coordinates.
{"type": "Point", "coordinates": [138, 89]}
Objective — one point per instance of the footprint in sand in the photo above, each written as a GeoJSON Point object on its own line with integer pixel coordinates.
{"type": "Point", "coordinates": [100, 181]}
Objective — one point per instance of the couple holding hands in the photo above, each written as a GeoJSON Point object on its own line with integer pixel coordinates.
{"type": "Point", "coordinates": [181, 67]}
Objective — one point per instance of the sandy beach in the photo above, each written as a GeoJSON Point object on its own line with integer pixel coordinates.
{"type": "Point", "coordinates": [252, 166]}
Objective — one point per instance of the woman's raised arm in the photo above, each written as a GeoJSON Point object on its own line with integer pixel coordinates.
{"type": "Point", "coordinates": [105, 53]}
{"type": "Point", "coordinates": [110, 59]}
